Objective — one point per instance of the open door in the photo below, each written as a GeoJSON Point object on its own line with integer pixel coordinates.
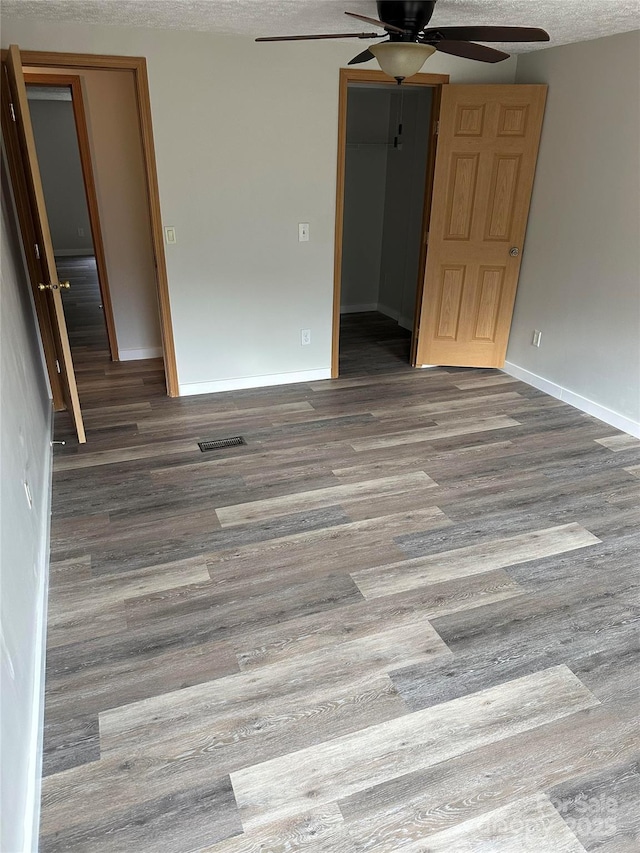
{"type": "Point", "coordinates": [48, 287]}
{"type": "Point", "coordinates": [485, 163]}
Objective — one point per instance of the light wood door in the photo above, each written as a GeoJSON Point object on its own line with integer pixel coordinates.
{"type": "Point", "coordinates": [38, 211]}
{"type": "Point", "coordinates": [485, 163]}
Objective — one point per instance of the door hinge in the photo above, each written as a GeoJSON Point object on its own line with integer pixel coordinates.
{"type": "Point", "coordinates": [58, 366]}
{"type": "Point", "coordinates": [36, 249]}
{"type": "Point", "coordinates": [426, 238]}
{"type": "Point", "coordinates": [437, 130]}
{"type": "Point", "coordinates": [13, 112]}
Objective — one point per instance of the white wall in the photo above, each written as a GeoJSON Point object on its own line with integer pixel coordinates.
{"type": "Point", "coordinates": [404, 202]}
{"type": "Point", "coordinates": [54, 128]}
{"type": "Point", "coordinates": [25, 456]}
{"type": "Point", "coordinates": [121, 189]}
{"type": "Point", "coordinates": [246, 138]}
{"type": "Point", "coordinates": [364, 196]}
{"type": "Point", "coordinates": [580, 278]}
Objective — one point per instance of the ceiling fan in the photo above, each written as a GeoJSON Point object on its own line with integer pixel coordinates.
{"type": "Point", "coordinates": [410, 42]}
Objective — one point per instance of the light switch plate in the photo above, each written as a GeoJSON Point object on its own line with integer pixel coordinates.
{"type": "Point", "coordinates": [303, 232]}
{"type": "Point", "coordinates": [170, 234]}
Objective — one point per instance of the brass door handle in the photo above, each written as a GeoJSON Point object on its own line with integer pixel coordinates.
{"type": "Point", "coordinates": [63, 285]}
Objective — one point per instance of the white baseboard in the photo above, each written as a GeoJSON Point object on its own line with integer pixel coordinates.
{"type": "Point", "coordinates": [388, 312]}
{"type": "Point", "coordinates": [34, 790]}
{"type": "Point", "coordinates": [610, 417]}
{"type": "Point", "coordinates": [381, 308]}
{"type": "Point", "coordinates": [359, 309]}
{"type": "Point", "coordinates": [137, 354]}
{"type": "Point", "coordinates": [401, 320]}
{"type": "Point", "coordinates": [72, 253]}
{"type": "Point", "coordinates": [406, 323]}
{"type": "Point", "coordinates": [241, 383]}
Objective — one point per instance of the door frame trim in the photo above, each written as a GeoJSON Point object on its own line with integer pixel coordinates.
{"type": "Point", "coordinates": [138, 65]}
{"type": "Point", "coordinates": [359, 75]}
{"type": "Point", "coordinates": [79, 114]}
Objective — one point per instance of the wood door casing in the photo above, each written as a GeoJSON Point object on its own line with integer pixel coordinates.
{"type": "Point", "coordinates": [485, 164]}
{"type": "Point", "coordinates": [26, 150]}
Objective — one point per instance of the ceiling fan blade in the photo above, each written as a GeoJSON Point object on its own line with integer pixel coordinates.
{"type": "Point", "coordinates": [487, 33]}
{"type": "Point", "coordinates": [322, 36]}
{"type": "Point", "coordinates": [365, 56]}
{"type": "Point", "coordinates": [389, 27]}
{"type": "Point", "coordinates": [470, 50]}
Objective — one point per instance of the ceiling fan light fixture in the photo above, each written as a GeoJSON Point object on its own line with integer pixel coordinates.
{"type": "Point", "coordinates": [401, 59]}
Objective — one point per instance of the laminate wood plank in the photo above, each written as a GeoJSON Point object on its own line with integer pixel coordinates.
{"type": "Point", "coordinates": [260, 510]}
{"type": "Point", "coordinates": [90, 459]}
{"type": "Point", "coordinates": [283, 687]}
{"type": "Point", "coordinates": [620, 441]}
{"type": "Point", "coordinates": [349, 383]}
{"type": "Point", "coordinates": [483, 381]}
{"type": "Point", "coordinates": [419, 804]}
{"type": "Point", "coordinates": [460, 500]}
{"type": "Point", "coordinates": [83, 610]}
{"type": "Point", "coordinates": [611, 675]}
{"type": "Point", "coordinates": [106, 672]}
{"type": "Point", "coordinates": [335, 769]}
{"type": "Point", "coordinates": [261, 731]}
{"type": "Point", "coordinates": [474, 559]}
{"type": "Point", "coordinates": [316, 473]}
{"type": "Point", "coordinates": [494, 402]}
{"type": "Point", "coordinates": [634, 469]}
{"type": "Point", "coordinates": [202, 607]}
{"type": "Point", "coordinates": [528, 826]}
{"type": "Point", "coordinates": [174, 823]}
{"type": "Point", "coordinates": [601, 807]}
{"type": "Point", "coordinates": [119, 554]}
{"type": "Point", "coordinates": [195, 418]}
{"type": "Point", "coordinates": [433, 433]}
{"type": "Point", "coordinates": [521, 641]}
{"type": "Point", "coordinates": [101, 414]}
{"type": "Point", "coordinates": [370, 465]}
{"type": "Point", "coordinates": [343, 547]}
{"type": "Point", "coordinates": [70, 742]}
{"type": "Point", "coordinates": [63, 572]}
{"type": "Point", "coordinates": [350, 622]}
{"type": "Point", "coordinates": [319, 831]}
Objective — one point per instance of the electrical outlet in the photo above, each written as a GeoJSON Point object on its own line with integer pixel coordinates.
{"type": "Point", "coordinates": [535, 340]}
{"type": "Point", "coordinates": [305, 337]}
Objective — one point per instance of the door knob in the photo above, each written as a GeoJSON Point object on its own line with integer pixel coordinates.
{"type": "Point", "coordinates": [514, 251]}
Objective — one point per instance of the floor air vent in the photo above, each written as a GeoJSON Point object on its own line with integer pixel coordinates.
{"type": "Point", "coordinates": [219, 443]}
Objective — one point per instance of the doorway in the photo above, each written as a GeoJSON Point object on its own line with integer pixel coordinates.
{"type": "Point", "coordinates": [34, 225]}
{"type": "Point", "coordinates": [385, 168]}
{"type": "Point", "coordinates": [58, 118]}
{"type": "Point", "coordinates": [388, 139]}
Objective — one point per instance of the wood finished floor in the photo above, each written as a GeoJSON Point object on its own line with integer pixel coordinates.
{"type": "Point", "coordinates": [404, 617]}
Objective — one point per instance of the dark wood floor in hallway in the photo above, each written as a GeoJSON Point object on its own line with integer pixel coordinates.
{"type": "Point", "coordinates": [402, 617]}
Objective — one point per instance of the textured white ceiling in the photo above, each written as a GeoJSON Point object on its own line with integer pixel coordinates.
{"type": "Point", "coordinates": [566, 20]}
